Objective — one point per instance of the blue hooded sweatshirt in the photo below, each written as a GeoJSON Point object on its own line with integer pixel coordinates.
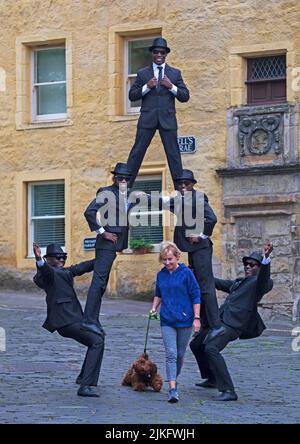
{"type": "Point", "coordinates": [178, 291]}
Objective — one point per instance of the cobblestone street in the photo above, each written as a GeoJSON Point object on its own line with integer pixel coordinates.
{"type": "Point", "coordinates": [38, 372]}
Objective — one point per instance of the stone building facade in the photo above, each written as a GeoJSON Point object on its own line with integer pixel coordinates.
{"type": "Point", "coordinates": [69, 136]}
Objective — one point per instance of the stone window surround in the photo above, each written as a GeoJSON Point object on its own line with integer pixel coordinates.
{"type": "Point", "coordinates": [238, 68]}
{"type": "Point", "coordinates": [117, 34]}
{"type": "Point", "coordinates": [22, 180]}
{"type": "Point", "coordinates": [24, 45]}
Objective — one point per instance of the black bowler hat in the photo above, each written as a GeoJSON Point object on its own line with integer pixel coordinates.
{"type": "Point", "coordinates": [254, 256]}
{"type": "Point", "coordinates": [54, 250]}
{"type": "Point", "coordinates": [159, 42]}
{"type": "Point", "coordinates": [187, 175]}
{"type": "Point", "coordinates": [121, 169]}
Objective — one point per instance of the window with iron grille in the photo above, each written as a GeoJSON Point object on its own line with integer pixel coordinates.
{"type": "Point", "coordinates": [153, 231]}
{"type": "Point", "coordinates": [46, 214]}
{"type": "Point", "coordinates": [266, 80]}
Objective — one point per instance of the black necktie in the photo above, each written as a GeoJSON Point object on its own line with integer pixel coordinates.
{"type": "Point", "coordinates": [159, 77]}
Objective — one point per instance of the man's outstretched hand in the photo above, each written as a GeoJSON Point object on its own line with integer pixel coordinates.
{"type": "Point", "coordinates": [268, 248]}
{"type": "Point", "coordinates": [37, 251]}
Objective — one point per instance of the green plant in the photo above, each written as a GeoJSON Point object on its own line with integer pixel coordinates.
{"type": "Point", "coordinates": [139, 243]}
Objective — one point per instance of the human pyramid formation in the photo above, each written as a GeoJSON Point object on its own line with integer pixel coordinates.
{"type": "Point", "coordinates": [179, 288]}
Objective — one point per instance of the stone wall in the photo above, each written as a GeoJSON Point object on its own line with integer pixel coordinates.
{"type": "Point", "coordinates": [206, 39]}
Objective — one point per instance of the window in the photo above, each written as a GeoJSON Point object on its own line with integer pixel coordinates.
{"type": "Point", "coordinates": [137, 55]}
{"type": "Point", "coordinates": [49, 83]}
{"type": "Point", "coordinates": [153, 231]}
{"type": "Point", "coordinates": [266, 80]}
{"type": "Point", "coordinates": [46, 214]}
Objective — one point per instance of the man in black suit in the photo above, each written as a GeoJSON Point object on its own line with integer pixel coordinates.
{"type": "Point", "coordinates": [187, 237]}
{"type": "Point", "coordinates": [112, 236]}
{"type": "Point", "coordinates": [64, 312]}
{"type": "Point", "coordinates": [157, 86]}
{"type": "Point", "coordinates": [240, 319]}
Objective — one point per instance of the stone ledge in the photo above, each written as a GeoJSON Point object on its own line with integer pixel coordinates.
{"type": "Point", "coordinates": [263, 200]}
{"type": "Point", "coordinates": [259, 171]}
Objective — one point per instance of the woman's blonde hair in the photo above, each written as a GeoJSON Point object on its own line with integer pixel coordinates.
{"type": "Point", "coordinates": [167, 246]}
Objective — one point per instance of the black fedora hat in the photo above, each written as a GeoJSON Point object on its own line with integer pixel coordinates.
{"type": "Point", "coordinates": [255, 255]}
{"type": "Point", "coordinates": [187, 175]}
{"type": "Point", "coordinates": [121, 169]}
{"type": "Point", "coordinates": [159, 42]}
{"type": "Point", "coordinates": [54, 250]}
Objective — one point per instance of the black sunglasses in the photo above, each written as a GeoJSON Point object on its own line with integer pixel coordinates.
{"type": "Point", "coordinates": [60, 257]}
{"type": "Point", "coordinates": [251, 264]}
{"type": "Point", "coordinates": [120, 178]}
{"type": "Point", "coordinates": [159, 51]}
{"type": "Point", "coordinates": [184, 182]}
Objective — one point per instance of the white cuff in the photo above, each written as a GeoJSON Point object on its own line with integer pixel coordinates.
{"type": "Point", "coordinates": [173, 90]}
{"type": "Point", "coordinates": [100, 230]}
{"type": "Point", "coordinates": [145, 89]}
{"type": "Point", "coordinates": [203, 236]}
{"type": "Point", "coordinates": [40, 263]}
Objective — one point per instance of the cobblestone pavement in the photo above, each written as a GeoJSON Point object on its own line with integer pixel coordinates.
{"type": "Point", "coordinates": [38, 370]}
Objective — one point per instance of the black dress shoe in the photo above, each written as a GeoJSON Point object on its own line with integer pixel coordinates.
{"type": "Point", "coordinates": [93, 328]}
{"type": "Point", "coordinates": [227, 395]}
{"type": "Point", "coordinates": [86, 390]}
{"type": "Point", "coordinates": [213, 333]}
{"type": "Point", "coordinates": [206, 384]}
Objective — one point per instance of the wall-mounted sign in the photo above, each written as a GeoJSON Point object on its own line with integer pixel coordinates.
{"type": "Point", "coordinates": [89, 243]}
{"type": "Point", "coordinates": [187, 144]}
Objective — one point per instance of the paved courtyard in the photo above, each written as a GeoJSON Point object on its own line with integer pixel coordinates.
{"type": "Point", "coordinates": [38, 370]}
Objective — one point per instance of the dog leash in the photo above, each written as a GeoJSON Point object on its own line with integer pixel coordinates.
{"type": "Point", "coordinates": [150, 316]}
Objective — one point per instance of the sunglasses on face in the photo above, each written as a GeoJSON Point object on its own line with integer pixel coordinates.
{"type": "Point", "coordinates": [59, 258]}
{"type": "Point", "coordinates": [159, 51]}
{"type": "Point", "coordinates": [121, 178]}
{"type": "Point", "coordinates": [251, 264]}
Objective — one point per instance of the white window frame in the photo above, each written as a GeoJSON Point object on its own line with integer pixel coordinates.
{"type": "Point", "coordinates": [155, 247]}
{"type": "Point", "coordinates": [31, 218]}
{"type": "Point", "coordinates": [44, 117]}
{"type": "Point", "coordinates": [127, 77]}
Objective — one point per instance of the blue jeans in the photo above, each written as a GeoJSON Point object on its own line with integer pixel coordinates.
{"type": "Point", "coordinates": [176, 340]}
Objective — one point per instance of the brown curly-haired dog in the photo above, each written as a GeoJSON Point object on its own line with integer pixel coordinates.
{"type": "Point", "coordinates": [142, 374]}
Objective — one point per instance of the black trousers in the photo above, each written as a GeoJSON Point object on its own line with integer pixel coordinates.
{"type": "Point", "coordinates": [102, 267]}
{"type": "Point", "coordinates": [142, 141]}
{"type": "Point", "coordinates": [211, 363]}
{"type": "Point", "coordinates": [90, 370]}
{"type": "Point", "coordinates": [201, 263]}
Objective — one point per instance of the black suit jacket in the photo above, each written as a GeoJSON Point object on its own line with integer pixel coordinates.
{"type": "Point", "coordinates": [240, 307]}
{"type": "Point", "coordinates": [113, 217]}
{"type": "Point", "coordinates": [210, 220]}
{"type": "Point", "coordinates": [158, 106]}
{"type": "Point", "coordinates": [63, 306]}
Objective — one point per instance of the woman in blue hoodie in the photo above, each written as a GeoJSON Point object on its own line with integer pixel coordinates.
{"type": "Point", "coordinates": [178, 293]}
